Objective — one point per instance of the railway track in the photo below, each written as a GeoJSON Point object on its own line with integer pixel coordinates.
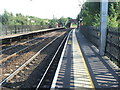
{"type": "Point", "coordinates": [18, 58]}
{"type": "Point", "coordinates": [47, 78]}
{"type": "Point", "coordinates": [30, 61]}
{"type": "Point", "coordinates": [12, 43]}
{"type": "Point", "coordinates": [16, 44]}
{"type": "Point", "coordinates": [12, 52]}
{"type": "Point", "coordinates": [15, 49]}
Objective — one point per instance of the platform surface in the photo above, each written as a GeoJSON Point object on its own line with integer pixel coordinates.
{"type": "Point", "coordinates": [25, 33]}
{"type": "Point", "coordinates": [81, 66]}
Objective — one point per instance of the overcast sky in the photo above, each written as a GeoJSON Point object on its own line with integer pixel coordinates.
{"type": "Point", "coordinates": [42, 8]}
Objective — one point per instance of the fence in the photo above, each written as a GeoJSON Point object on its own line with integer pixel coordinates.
{"type": "Point", "coordinates": [112, 49]}
{"type": "Point", "coordinates": [113, 44]}
{"type": "Point", "coordinates": [91, 33]}
{"type": "Point", "coordinates": [15, 29]}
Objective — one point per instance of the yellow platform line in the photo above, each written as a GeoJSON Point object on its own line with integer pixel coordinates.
{"type": "Point", "coordinates": [79, 50]}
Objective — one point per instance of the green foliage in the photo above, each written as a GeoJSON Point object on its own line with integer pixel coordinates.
{"type": "Point", "coordinates": [112, 21]}
{"type": "Point", "coordinates": [52, 22]}
{"type": "Point", "coordinates": [20, 19]}
{"type": "Point", "coordinates": [113, 14]}
{"type": "Point", "coordinates": [90, 14]}
{"type": "Point", "coordinates": [62, 21]}
{"type": "Point", "coordinates": [9, 19]}
{"type": "Point", "coordinates": [5, 17]}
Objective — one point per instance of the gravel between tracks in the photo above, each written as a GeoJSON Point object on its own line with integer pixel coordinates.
{"type": "Point", "coordinates": [30, 75]}
{"type": "Point", "coordinates": [10, 67]}
{"type": "Point", "coordinates": [21, 45]}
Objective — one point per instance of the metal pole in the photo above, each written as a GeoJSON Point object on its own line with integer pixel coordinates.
{"type": "Point", "coordinates": [103, 26]}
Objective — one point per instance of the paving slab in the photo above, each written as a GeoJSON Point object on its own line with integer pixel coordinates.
{"type": "Point", "coordinates": [103, 72]}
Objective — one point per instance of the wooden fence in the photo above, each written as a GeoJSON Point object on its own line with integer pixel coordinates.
{"type": "Point", "coordinates": [112, 49]}
{"type": "Point", "coordinates": [113, 44]}
{"type": "Point", "coordinates": [14, 29]}
{"type": "Point", "coordinates": [91, 33]}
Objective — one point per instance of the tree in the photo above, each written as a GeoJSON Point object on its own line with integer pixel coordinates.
{"type": "Point", "coordinates": [90, 14]}
{"type": "Point", "coordinates": [5, 17]}
{"type": "Point", "coordinates": [52, 23]}
{"type": "Point", "coordinates": [19, 19]}
{"type": "Point", "coordinates": [62, 21]}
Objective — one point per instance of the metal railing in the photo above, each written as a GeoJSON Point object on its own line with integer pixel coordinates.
{"type": "Point", "coordinates": [16, 29]}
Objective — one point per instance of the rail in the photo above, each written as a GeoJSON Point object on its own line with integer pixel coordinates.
{"type": "Point", "coordinates": [26, 63]}
{"type": "Point", "coordinates": [50, 64]}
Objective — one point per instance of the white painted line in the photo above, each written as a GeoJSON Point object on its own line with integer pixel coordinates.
{"type": "Point", "coordinates": [50, 64]}
{"type": "Point", "coordinates": [59, 64]}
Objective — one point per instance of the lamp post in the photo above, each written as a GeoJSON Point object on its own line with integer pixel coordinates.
{"type": "Point", "coordinates": [103, 26]}
{"type": "Point", "coordinates": [80, 6]}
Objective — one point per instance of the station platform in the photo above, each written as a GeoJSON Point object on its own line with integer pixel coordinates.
{"type": "Point", "coordinates": [81, 66]}
{"type": "Point", "coordinates": [28, 33]}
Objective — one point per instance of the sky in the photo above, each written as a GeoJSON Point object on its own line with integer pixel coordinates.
{"type": "Point", "coordinates": [45, 9]}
